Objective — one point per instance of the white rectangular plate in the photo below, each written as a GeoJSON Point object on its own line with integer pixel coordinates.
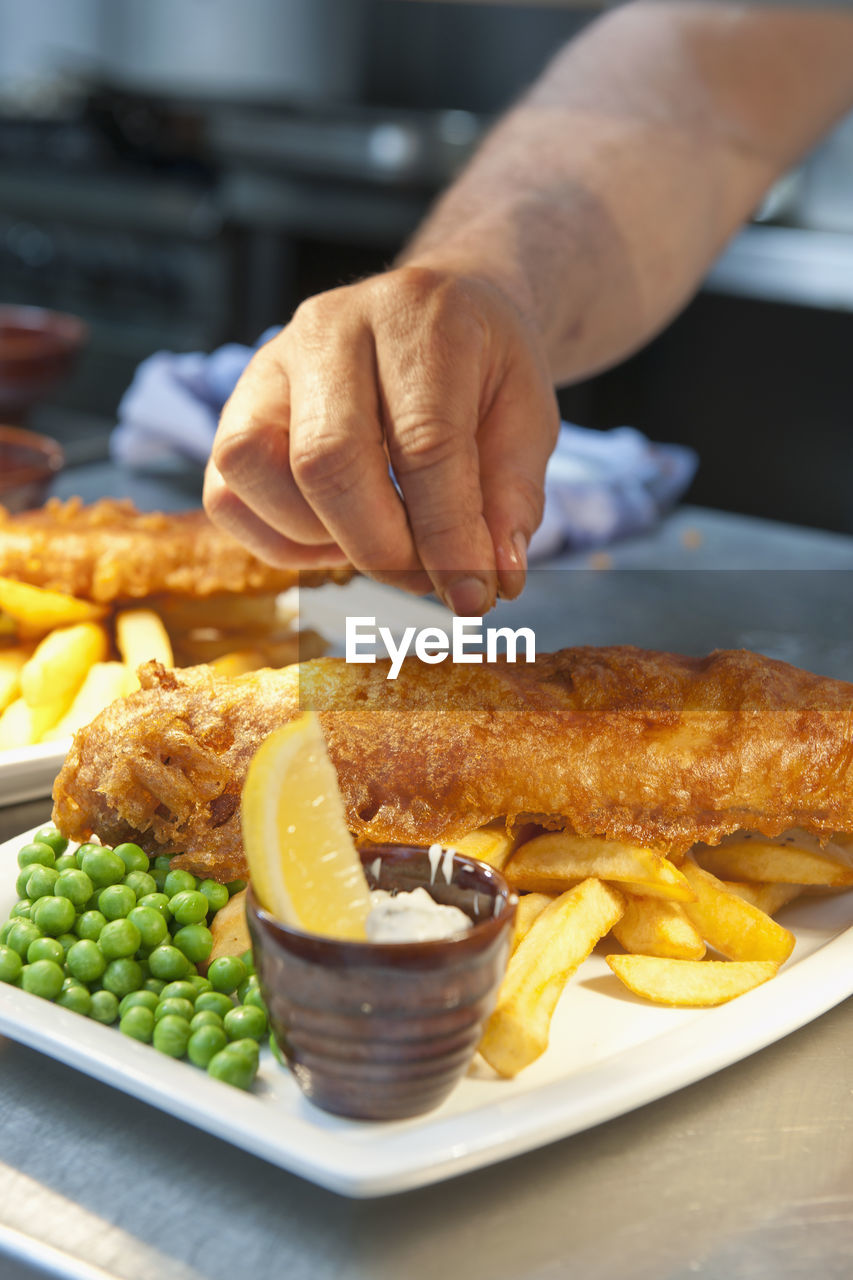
{"type": "Point", "coordinates": [610, 1052]}
{"type": "Point", "coordinates": [29, 772]}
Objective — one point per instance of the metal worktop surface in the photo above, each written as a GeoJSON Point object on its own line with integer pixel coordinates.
{"type": "Point", "coordinates": [746, 1174]}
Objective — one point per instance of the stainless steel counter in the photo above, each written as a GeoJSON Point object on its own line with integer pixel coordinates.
{"type": "Point", "coordinates": [748, 1174]}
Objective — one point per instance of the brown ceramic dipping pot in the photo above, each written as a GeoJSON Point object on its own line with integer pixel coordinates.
{"type": "Point", "coordinates": [28, 464]}
{"type": "Point", "coordinates": [37, 350]}
{"type": "Point", "coordinates": [382, 1031]}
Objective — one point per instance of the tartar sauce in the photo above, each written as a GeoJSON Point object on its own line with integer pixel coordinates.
{"type": "Point", "coordinates": [414, 916]}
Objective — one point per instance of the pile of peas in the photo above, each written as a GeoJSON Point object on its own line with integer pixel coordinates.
{"type": "Point", "coordinates": [108, 934]}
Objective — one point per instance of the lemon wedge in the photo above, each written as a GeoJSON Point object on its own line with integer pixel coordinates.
{"type": "Point", "coordinates": [303, 864]}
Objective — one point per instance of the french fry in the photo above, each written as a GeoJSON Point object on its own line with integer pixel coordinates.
{"type": "Point", "coordinates": [776, 862]}
{"type": "Point", "coordinates": [558, 942]}
{"type": "Point", "coordinates": [23, 726]}
{"type": "Point", "coordinates": [141, 637]}
{"type": "Point", "coordinates": [769, 898]}
{"type": "Point", "coordinates": [696, 983]}
{"type": "Point", "coordinates": [36, 610]}
{"type": "Point", "coordinates": [229, 929]}
{"type": "Point", "coordinates": [656, 927]}
{"type": "Point", "coordinates": [238, 663]}
{"type": "Point", "coordinates": [11, 662]}
{"type": "Point", "coordinates": [103, 683]}
{"type": "Point", "coordinates": [60, 662]}
{"type": "Point", "coordinates": [548, 862]}
{"type": "Point", "coordinates": [730, 924]}
{"type": "Point", "coordinates": [492, 844]}
{"type": "Point", "coordinates": [530, 907]}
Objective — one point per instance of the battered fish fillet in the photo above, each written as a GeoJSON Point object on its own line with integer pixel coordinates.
{"type": "Point", "coordinates": [654, 748]}
{"type": "Point", "coordinates": [110, 551]}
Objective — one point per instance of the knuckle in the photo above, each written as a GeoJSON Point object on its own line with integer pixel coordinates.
{"type": "Point", "coordinates": [324, 465]}
{"type": "Point", "coordinates": [424, 442]}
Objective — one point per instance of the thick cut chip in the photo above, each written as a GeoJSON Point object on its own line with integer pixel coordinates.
{"type": "Point", "coordinates": [779, 862]}
{"type": "Point", "coordinates": [141, 637]}
{"type": "Point", "coordinates": [769, 898]}
{"type": "Point", "coordinates": [103, 683]}
{"type": "Point", "coordinates": [303, 864]}
{"type": "Point", "coordinates": [530, 907]}
{"type": "Point", "coordinates": [239, 662]}
{"type": "Point", "coordinates": [547, 863]}
{"type": "Point", "coordinates": [492, 844]}
{"type": "Point", "coordinates": [229, 929]}
{"type": "Point", "coordinates": [730, 924]}
{"type": "Point", "coordinates": [11, 663]}
{"type": "Point", "coordinates": [656, 927]}
{"type": "Point", "coordinates": [36, 610]}
{"type": "Point", "coordinates": [698, 983]}
{"type": "Point", "coordinates": [558, 942]}
{"type": "Point", "coordinates": [60, 662]}
{"type": "Point", "coordinates": [22, 725]}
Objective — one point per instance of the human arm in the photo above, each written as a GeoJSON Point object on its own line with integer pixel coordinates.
{"type": "Point", "coordinates": [585, 221]}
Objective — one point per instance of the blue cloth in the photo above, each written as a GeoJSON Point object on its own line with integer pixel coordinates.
{"type": "Point", "coordinates": [599, 486]}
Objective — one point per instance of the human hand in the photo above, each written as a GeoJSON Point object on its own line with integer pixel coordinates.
{"type": "Point", "coordinates": [435, 373]}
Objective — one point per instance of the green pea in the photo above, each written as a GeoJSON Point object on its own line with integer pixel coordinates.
{"type": "Point", "coordinates": [168, 963]}
{"type": "Point", "coordinates": [45, 949]}
{"type": "Point", "coordinates": [159, 902]}
{"type": "Point", "coordinates": [145, 999]}
{"type": "Point", "coordinates": [158, 875]}
{"type": "Point", "coordinates": [188, 907]}
{"type": "Point", "coordinates": [74, 885]}
{"type": "Point", "coordinates": [214, 1000]}
{"type": "Point", "coordinates": [206, 1018]}
{"type": "Point", "coordinates": [195, 940]}
{"type": "Point", "coordinates": [134, 858]}
{"type": "Point", "coordinates": [276, 1050]}
{"type": "Point", "coordinates": [244, 1021]}
{"type": "Point", "coordinates": [66, 941]}
{"type": "Point", "coordinates": [138, 1023]}
{"type": "Point", "coordinates": [203, 1043]}
{"type": "Point", "coordinates": [182, 989]}
{"type": "Point", "coordinates": [226, 973]}
{"type": "Point", "coordinates": [119, 938]}
{"type": "Point", "coordinates": [102, 866]}
{"type": "Point", "coordinates": [152, 927]}
{"type": "Point", "coordinates": [85, 961]}
{"type": "Point", "coordinates": [141, 883]}
{"type": "Point", "coordinates": [38, 851]}
{"type": "Point", "coordinates": [50, 835]}
{"type": "Point", "coordinates": [201, 984]}
{"type": "Point", "coordinates": [83, 849]}
{"type": "Point", "coordinates": [232, 1068]}
{"type": "Point", "coordinates": [92, 904]}
{"type": "Point", "coordinates": [122, 976]}
{"type": "Point", "coordinates": [90, 925]}
{"type": "Point", "coordinates": [4, 931]}
{"type": "Point", "coordinates": [178, 881]}
{"type": "Point", "coordinates": [11, 965]}
{"type": "Point", "coordinates": [66, 862]}
{"type": "Point", "coordinates": [44, 978]}
{"type": "Point", "coordinates": [54, 915]}
{"type": "Point", "coordinates": [217, 894]}
{"type": "Point", "coordinates": [116, 901]}
{"type": "Point", "coordinates": [104, 1007]}
{"type": "Point", "coordinates": [250, 984]}
{"type": "Point", "coordinates": [235, 886]}
{"type": "Point", "coordinates": [171, 1036]}
{"type": "Point", "coordinates": [22, 910]}
{"type": "Point", "coordinates": [75, 996]}
{"type": "Point", "coordinates": [154, 984]}
{"type": "Point", "coordinates": [173, 1005]}
{"type": "Point", "coordinates": [41, 881]}
{"type": "Point", "coordinates": [163, 861]}
{"type": "Point", "coordinates": [248, 958]}
{"type": "Point", "coordinates": [22, 933]}
{"type": "Point", "coordinates": [21, 881]}
{"type": "Point", "coordinates": [254, 998]}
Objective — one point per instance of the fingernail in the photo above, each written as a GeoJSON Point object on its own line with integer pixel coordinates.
{"type": "Point", "coordinates": [519, 548]}
{"type": "Point", "coordinates": [469, 597]}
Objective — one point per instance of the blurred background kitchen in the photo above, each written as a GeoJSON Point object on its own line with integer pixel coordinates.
{"type": "Point", "coordinates": [180, 173]}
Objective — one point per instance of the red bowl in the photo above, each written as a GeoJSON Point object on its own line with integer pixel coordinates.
{"type": "Point", "coordinates": [28, 463]}
{"type": "Point", "coordinates": [37, 350]}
